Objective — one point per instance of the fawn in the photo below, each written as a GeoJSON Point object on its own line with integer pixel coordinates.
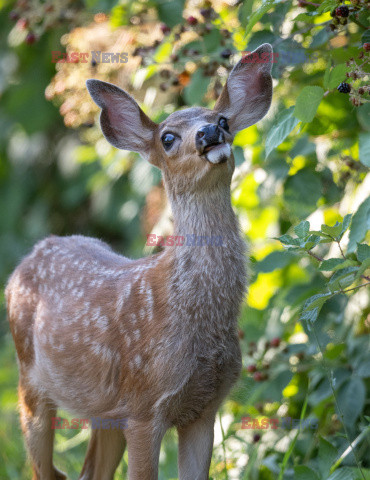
{"type": "Point", "coordinates": [152, 340]}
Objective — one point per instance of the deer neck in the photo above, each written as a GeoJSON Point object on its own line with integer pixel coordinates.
{"type": "Point", "coordinates": [212, 276]}
{"type": "Point", "coordinates": [204, 214]}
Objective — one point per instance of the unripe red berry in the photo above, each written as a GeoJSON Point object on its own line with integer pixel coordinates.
{"type": "Point", "coordinates": [251, 368]}
{"type": "Point", "coordinates": [275, 342]}
{"type": "Point", "coordinates": [22, 23]}
{"type": "Point", "coordinates": [31, 38]}
{"type": "Point", "coordinates": [366, 46]}
{"type": "Point", "coordinates": [258, 377]}
{"type": "Point", "coordinates": [165, 29]}
{"type": "Point", "coordinates": [192, 20]}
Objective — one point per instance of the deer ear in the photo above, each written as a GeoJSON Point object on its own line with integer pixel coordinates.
{"type": "Point", "coordinates": [246, 97]}
{"type": "Point", "coordinates": [122, 121]}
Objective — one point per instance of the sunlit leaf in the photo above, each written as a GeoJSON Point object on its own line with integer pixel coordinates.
{"type": "Point", "coordinates": [283, 125]}
{"type": "Point", "coordinates": [307, 103]}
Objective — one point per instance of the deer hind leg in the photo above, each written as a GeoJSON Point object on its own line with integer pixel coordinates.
{"type": "Point", "coordinates": [36, 414]}
{"type": "Point", "coordinates": [104, 453]}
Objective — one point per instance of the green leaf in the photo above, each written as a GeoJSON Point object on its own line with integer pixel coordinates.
{"type": "Point", "coordinates": [301, 472]}
{"type": "Point", "coordinates": [365, 37]}
{"type": "Point", "coordinates": [363, 115]}
{"type": "Point", "coordinates": [313, 305]}
{"type": "Point", "coordinates": [311, 242]}
{"type": "Point", "coordinates": [330, 264]}
{"type": "Point", "coordinates": [302, 229]}
{"type": "Point", "coordinates": [363, 370]}
{"type": "Point", "coordinates": [212, 40]}
{"type": "Point", "coordinates": [346, 223]}
{"type": "Point", "coordinates": [170, 11]}
{"type": "Point", "coordinates": [333, 231]}
{"type": "Point", "coordinates": [327, 455]}
{"type": "Point", "coordinates": [335, 351]}
{"type": "Point", "coordinates": [288, 240]}
{"type": "Point", "coordinates": [363, 252]}
{"type": "Point", "coordinates": [327, 6]}
{"type": "Point", "coordinates": [302, 192]}
{"type": "Point", "coordinates": [360, 225]}
{"type": "Point", "coordinates": [351, 399]}
{"type": "Point", "coordinates": [342, 278]}
{"type": "Point", "coordinates": [364, 266]}
{"type": "Point", "coordinates": [347, 473]}
{"type": "Point", "coordinates": [335, 76]}
{"type": "Point", "coordinates": [345, 264]}
{"type": "Point", "coordinates": [307, 103]}
{"type": "Point", "coordinates": [245, 11]}
{"type": "Point", "coordinates": [195, 91]}
{"type": "Point", "coordinates": [283, 125]}
{"type": "Point", "coordinates": [306, 17]}
{"type": "Point", "coordinates": [274, 261]}
{"type": "Point", "coordinates": [364, 145]}
{"type": "Point", "coordinates": [258, 14]}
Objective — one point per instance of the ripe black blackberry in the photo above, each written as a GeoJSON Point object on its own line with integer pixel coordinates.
{"type": "Point", "coordinates": [344, 87]}
{"type": "Point", "coordinates": [226, 53]}
{"type": "Point", "coordinates": [342, 11]}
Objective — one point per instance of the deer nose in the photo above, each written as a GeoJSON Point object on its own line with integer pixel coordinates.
{"type": "Point", "coordinates": [209, 135]}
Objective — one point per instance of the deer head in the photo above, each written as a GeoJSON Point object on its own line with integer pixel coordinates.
{"type": "Point", "coordinates": [192, 147]}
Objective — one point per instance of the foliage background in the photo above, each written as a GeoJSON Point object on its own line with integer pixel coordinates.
{"type": "Point", "coordinates": [305, 323]}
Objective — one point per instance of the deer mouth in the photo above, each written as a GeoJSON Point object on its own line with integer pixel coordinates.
{"type": "Point", "coordinates": [217, 152]}
{"type": "Point", "coordinates": [212, 146]}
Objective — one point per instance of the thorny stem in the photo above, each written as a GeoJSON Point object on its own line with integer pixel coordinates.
{"type": "Point", "coordinates": [340, 248]}
{"type": "Point", "coordinates": [352, 288]}
{"type": "Point", "coordinates": [304, 2]}
{"type": "Point", "coordinates": [319, 259]}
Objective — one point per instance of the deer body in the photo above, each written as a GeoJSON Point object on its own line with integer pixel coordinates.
{"type": "Point", "coordinates": [152, 340]}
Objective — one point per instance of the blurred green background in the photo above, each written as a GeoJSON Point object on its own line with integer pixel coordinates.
{"type": "Point", "coordinates": [301, 191]}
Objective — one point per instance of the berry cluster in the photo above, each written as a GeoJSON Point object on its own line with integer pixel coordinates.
{"type": "Point", "coordinates": [259, 368]}
{"type": "Point", "coordinates": [184, 58]}
{"type": "Point", "coordinates": [342, 13]}
{"type": "Point", "coordinates": [359, 92]}
{"type": "Point", "coordinates": [36, 17]}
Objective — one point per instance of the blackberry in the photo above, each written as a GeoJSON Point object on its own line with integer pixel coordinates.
{"type": "Point", "coordinates": [256, 437]}
{"type": "Point", "coordinates": [342, 11]}
{"type": "Point", "coordinates": [226, 53]}
{"type": "Point", "coordinates": [344, 87]}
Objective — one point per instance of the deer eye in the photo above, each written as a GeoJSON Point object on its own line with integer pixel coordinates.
{"type": "Point", "coordinates": [167, 140]}
{"type": "Point", "coordinates": [223, 123]}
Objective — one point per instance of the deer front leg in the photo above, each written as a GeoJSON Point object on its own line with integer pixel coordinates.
{"type": "Point", "coordinates": [195, 447]}
{"type": "Point", "coordinates": [143, 447]}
